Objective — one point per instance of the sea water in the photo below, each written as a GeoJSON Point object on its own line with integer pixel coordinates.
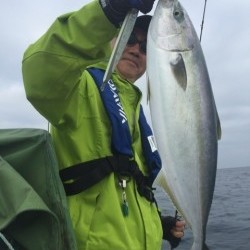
{"type": "Point", "coordinates": [229, 220]}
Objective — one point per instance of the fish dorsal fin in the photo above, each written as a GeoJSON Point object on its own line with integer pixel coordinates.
{"type": "Point", "coordinates": [179, 70]}
{"type": "Point", "coordinates": [218, 126]}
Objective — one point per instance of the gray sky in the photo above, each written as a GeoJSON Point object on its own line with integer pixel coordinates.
{"type": "Point", "coordinates": [225, 42]}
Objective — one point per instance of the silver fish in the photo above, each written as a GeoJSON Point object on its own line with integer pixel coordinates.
{"type": "Point", "coordinates": [184, 115]}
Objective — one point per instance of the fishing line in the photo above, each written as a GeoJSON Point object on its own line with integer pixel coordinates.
{"type": "Point", "coordinates": [203, 18]}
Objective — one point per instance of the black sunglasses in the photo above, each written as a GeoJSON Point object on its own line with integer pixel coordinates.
{"type": "Point", "coordinates": [142, 44]}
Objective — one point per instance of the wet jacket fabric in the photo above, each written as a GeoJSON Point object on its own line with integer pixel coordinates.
{"type": "Point", "coordinates": [60, 88]}
{"type": "Point", "coordinates": [33, 207]}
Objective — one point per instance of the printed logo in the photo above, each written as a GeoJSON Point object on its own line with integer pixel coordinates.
{"type": "Point", "coordinates": [152, 143]}
{"type": "Point", "coordinates": [113, 89]}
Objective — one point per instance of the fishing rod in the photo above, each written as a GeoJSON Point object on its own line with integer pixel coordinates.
{"type": "Point", "coordinates": [203, 19]}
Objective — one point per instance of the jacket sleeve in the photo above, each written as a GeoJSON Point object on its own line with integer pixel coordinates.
{"type": "Point", "coordinates": [53, 65]}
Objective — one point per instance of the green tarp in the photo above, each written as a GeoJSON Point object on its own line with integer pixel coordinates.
{"type": "Point", "coordinates": [33, 210]}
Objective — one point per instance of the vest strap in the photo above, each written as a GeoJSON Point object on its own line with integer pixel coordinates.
{"type": "Point", "coordinates": [121, 140]}
{"type": "Point", "coordinates": [82, 176]}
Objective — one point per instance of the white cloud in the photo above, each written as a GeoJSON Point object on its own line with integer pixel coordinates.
{"type": "Point", "coordinates": [15, 110]}
{"type": "Point", "coordinates": [225, 42]}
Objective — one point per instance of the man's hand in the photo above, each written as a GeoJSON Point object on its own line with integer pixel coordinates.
{"type": "Point", "coordinates": [178, 230]}
{"type": "Point", "coordinates": [116, 10]}
{"type": "Point", "coordinates": [173, 230]}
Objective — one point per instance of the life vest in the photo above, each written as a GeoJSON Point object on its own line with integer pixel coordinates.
{"type": "Point", "coordinates": [88, 173]}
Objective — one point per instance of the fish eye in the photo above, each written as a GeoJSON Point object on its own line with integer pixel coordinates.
{"type": "Point", "coordinates": [178, 14]}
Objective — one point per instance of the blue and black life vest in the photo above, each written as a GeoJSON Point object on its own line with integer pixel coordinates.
{"type": "Point", "coordinates": [89, 173]}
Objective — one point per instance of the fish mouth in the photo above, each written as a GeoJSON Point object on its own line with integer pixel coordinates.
{"type": "Point", "coordinates": [173, 42]}
{"type": "Point", "coordinates": [179, 43]}
{"type": "Point", "coordinates": [182, 50]}
{"type": "Point", "coordinates": [175, 48]}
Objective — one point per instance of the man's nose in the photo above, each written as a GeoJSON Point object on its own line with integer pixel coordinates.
{"type": "Point", "coordinates": [136, 48]}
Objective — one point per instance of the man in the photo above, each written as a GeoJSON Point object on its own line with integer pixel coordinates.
{"type": "Point", "coordinates": [104, 169]}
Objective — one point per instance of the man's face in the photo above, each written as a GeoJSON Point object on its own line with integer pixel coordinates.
{"type": "Point", "coordinates": [132, 64]}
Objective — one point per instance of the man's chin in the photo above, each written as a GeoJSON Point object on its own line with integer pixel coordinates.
{"type": "Point", "coordinates": [127, 68]}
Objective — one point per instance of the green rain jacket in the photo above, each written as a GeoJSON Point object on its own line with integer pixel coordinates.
{"type": "Point", "coordinates": [60, 88]}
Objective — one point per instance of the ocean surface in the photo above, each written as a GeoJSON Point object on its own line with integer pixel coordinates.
{"type": "Point", "coordinates": [229, 220]}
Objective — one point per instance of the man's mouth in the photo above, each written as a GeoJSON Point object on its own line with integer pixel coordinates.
{"type": "Point", "coordinates": [132, 60]}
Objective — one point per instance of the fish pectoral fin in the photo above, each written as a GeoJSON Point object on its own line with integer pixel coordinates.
{"type": "Point", "coordinates": [148, 90]}
{"type": "Point", "coordinates": [179, 70]}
